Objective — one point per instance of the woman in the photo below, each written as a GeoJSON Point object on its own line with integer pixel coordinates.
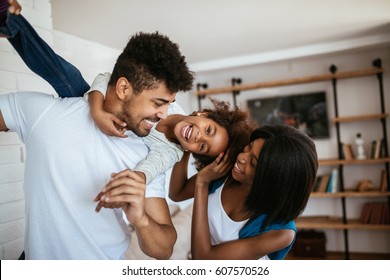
{"type": "Point", "coordinates": [249, 214]}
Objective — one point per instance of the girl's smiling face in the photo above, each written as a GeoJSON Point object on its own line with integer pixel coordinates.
{"type": "Point", "coordinates": [201, 135]}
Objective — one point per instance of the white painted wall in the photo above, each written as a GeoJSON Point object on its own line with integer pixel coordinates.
{"type": "Point", "coordinates": [92, 58]}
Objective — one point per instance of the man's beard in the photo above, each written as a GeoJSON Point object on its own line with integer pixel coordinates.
{"type": "Point", "coordinates": [132, 124]}
{"type": "Point", "coordinates": [135, 127]}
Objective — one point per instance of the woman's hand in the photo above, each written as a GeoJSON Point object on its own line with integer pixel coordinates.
{"type": "Point", "coordinates": [215, 170]}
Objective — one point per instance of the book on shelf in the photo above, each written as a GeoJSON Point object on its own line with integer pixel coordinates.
{"type": "Point", "coordinates": [376, 149]}
{"type": "Point", "coordinates": [375, 213]}
{"type": "Point", "coordinates": [347, 151]}
{"type": "Point", "coordinates": [327, 182]}
{"type": "Point", "coordinates": [383, 182]}
{"type": "Point", "coordinates": [324, 183]}
{"type": "Point", "coordinates": [334, 181]}
{"type": "Point", "coordinates": [365, 213]}
{"type": "Point", "coordinates": [317, 183]}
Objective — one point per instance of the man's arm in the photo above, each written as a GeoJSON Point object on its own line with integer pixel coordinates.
{"type": "Point", "coordinates": [3, 127]}
{"type": "Point", "coordinates": [158, 237]}
{"type": "Point", "coordinates": [149, 216]}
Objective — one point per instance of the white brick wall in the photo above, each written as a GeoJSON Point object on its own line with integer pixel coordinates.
{"type": "Point", "coordinates": [15, 76]}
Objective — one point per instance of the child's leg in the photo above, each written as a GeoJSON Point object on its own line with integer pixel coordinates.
{"type": "Point", "coordinates": [41, 59]}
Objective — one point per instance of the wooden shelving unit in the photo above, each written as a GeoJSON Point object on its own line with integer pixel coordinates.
{"type": "Point", "coordinates": [335, 223]}
{"type": "Point", "coordinates": [335, 161]}
{"type": "Point", "coordinates": [343, 222]}
{"type": "Point", "coordinates": [350, 194]}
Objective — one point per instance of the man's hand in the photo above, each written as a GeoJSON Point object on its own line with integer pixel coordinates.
{"type": "Point", "coordinates": [126, 189]}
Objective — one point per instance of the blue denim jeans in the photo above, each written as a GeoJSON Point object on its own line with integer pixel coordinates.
{"type": "Point", "coordinates": [64, 77]}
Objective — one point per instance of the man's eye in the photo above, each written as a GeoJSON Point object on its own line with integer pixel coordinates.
{"type": "Point", "coordinates": [208, 130]}
{"type": "Point", "coordinates": [202, 146]}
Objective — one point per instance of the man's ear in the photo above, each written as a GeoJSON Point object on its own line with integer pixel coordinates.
{"type": "Point", "coordinates": [123, 88]}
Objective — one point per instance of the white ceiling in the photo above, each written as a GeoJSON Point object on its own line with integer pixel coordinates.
{"type": "Point", "coordinates": [230, 32]}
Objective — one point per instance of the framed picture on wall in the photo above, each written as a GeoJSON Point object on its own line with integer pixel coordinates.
{"type": "Point", "coordinates": [306, 112]}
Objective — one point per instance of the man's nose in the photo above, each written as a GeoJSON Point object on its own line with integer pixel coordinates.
{"type": "Point", "coordinates": [163, 113]}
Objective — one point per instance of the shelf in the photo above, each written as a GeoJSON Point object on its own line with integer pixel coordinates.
{"type": "Point", "coordinates": [350, 194]}
{"type": "Point", "coordinates": [326, 162]}
{"type": "Point", "coordinates": [341, 256]}
{"type": "Point", "coordinates": [335, 223]}
{"type": "Point", "coordinates": [360, 118]}
{"type": "Point", "coordinates": [296, 81]}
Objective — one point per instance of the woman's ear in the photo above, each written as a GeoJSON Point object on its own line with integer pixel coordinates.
{"type": "Point", "coordinates": [123, 88]}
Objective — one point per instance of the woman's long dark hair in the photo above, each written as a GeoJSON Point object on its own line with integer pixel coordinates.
{"type": "Point", "coordinates": [285, 174]}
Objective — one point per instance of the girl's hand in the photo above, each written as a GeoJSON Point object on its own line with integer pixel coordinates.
{"type": "Point", "coordinates": [217, 169]}
{"type": "Point", "coordinates": [106, 123]}
{"type": "Point", "coordinates": [125, 190]}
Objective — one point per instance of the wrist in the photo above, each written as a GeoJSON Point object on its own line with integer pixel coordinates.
{"type": "Point", "coordinates": [141, 175]}
{"type": "Point", "coordinates": [142, 222]}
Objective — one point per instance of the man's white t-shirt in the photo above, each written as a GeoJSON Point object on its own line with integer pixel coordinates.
{"type": "Point", "coordinates": [68, 162]}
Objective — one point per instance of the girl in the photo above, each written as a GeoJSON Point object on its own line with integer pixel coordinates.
{"type": "Point", "coordinates": [249, 214]}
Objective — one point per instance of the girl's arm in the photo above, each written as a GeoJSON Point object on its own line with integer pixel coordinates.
{"type": "Point", "coordinates": [161, 157]}
{"type": "Point", "coordinates": [181, 187]}
{"type": "Point", "coordinates": [104, 120]}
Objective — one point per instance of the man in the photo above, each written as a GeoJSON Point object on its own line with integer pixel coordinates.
{"type": "Point", "coordinates": [69, 159]}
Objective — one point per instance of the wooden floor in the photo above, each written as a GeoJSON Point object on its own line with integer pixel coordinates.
{"type": "Point", "coordinates": [341, 256]}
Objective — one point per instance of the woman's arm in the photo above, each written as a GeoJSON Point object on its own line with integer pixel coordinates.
{"type": "Point", "coordinates": [252, 248]}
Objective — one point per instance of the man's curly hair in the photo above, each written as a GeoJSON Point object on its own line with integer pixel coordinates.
{"type": "Point", "coordinates": [149, 59]}
{"type": "Point", "coordinates": [238, 124]}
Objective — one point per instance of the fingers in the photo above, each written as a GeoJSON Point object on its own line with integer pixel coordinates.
{"type": "Point", "coordinates": [219, 158]}
{"type": "Point", "coordinates": [122, 186]}
{"type": "Point", "coordinates": [127, 173]}
{"type": "Point", "coordinates": [118, 132]}
{"type": "Point", "coordinates": [118, 121]}
{"type": "Point", "coordinates": [103, 204]}
{"type": "Point", "coordinates": [97, 198]}
{"type": "Point", "coordinates": [125, 187]}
